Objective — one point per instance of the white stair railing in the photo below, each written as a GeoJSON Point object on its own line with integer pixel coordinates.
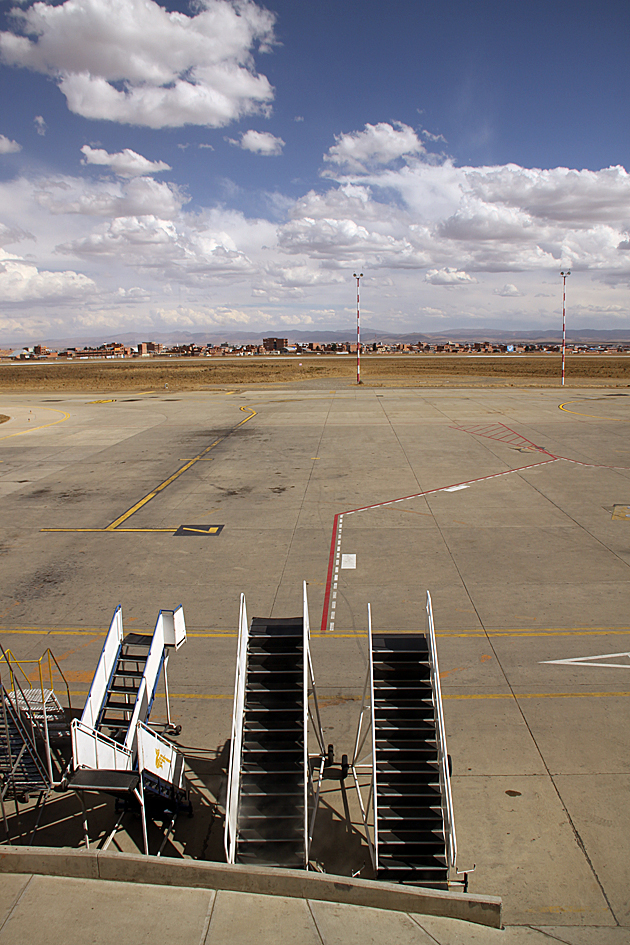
{"type": "Point", "coordinates": [366, 729]}
{"type": "Point", "coordinates": [159, 757]}
{"type": "Point", "coordinates": [310, 692]}
{"type": "Point", "coordinates": [92, 749]}
{"type": "Point", "coordinates": [102, 675]}
{"type": "Point", "coordinates": [444, 773]}
{"type": "Point", "coordinates": [238, 713]}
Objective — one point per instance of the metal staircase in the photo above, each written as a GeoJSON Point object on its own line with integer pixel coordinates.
{"type": "Point", "coordinates": [114, 749]}
{"type": "Point", "coordinates": [270, 788]}
{"type": "Point", "coordinates": [23, 770]}
{"type": "Point", "coordinates": [408, 812]}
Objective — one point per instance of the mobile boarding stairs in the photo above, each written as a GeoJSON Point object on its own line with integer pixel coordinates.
{"type": "Point", "coordinates": [401, 753]}
{"type": "Point", "coordinates": [114, 749]}
{"type": "Point", "coordinates": [34, 730]}
{"type": "Point", "coordinates": [271, 797]}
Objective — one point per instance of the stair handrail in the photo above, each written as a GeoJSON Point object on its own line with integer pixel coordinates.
{"type": "Point", "coordinates": [13, 711]}
{"type": "Point", "coordinates": [445, 778]}
{"type": "Point", "coordinates": [236, 743]}
{"type": "Point", "coordinates": [117, 756]}
{"type": "Point", "coordinates": [46, 655]}
{"type": "Point", "coordinates": [150, 676]}
{"type": "Point", "coordinates": [36, 729]}
{"type": "Point", "coordinates": [373, 726]}
{"type": "Point", "coordinates": [103, 672]}
{"type": "Point", "coordinates": [367, 704]}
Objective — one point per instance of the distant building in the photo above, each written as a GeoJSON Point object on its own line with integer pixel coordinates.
{"type": "Point", "coordinates": [275, 344]}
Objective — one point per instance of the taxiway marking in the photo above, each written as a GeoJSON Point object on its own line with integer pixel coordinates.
{"type": "Point", "coordinates": [330, 596]}
{"type": "Point", "coordinates": [591, 416]}
{"type": "Point", "coordinates": [593, 661]}
{"type": "Point", "coordinates": [115, 525]}
{"type": "Point", "coordinates": [66, 416]}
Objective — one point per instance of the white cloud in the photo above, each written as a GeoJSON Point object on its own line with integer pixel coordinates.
{"type": "Point", "coordinates": [509, 291]}
{"type": "Point", "coordinates": [40, 124]}
{"type": "Point", "coordinates": [132, 61]}
{"type": "Point", "coordinates": [260, 142]}
{"type": "Point", "coordinates": [126, 163]}
{"type": "Point", "coordinates": [448, 277]}
{"type": "Point", "coordinates": [418, 228]}
{"type": "Point", "coordinates": [21, 281]}
{"type": "Point", "coordinates": [376, 144]}
{"type": "Point", "coordinates": [7, 146]}
{"type": "Point", "coordinates": [137, 197]}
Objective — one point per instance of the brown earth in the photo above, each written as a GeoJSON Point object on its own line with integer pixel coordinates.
{"type": "Point", "coordinates": [376, 371]}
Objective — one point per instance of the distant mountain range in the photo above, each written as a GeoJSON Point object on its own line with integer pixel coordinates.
{"type": "Point", "coordinates": [368, 336]}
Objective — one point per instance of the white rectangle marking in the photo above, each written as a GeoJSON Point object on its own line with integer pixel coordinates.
{"type": "Point", "coordinates": [454, 488]}
{"type": "Point", "coordinates": [348, 561]}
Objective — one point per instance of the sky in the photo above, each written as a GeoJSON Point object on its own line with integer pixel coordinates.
{"type": "Point", "coordinates": [223, 165]}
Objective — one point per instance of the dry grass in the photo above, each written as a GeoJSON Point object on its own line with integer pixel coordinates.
{"type": "Point", "coordinates": [376, 371]}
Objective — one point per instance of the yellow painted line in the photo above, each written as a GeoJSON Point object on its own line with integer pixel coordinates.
{"type": "Point", "coordinates": [167, 482]}
{"type": "Point", "coordinates": [592, 416]}
{"type": "Point", "coordinates": [66, 416]}
{"type": "Point", "coordinates": [110, 529]}
{"type": "Point", "coordinates": [111, 401]}
{"type": "Point", "coordinates": [229, 634]}
{"type": "Point", "coordinates": [115, 525]}
{"type": "Point", "coordinates": [471, 695]}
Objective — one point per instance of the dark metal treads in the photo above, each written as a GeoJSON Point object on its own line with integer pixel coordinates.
{"type": "Point", "coordinates": [137, 639]}
{"type": "Point", "coordinates": [411, 844]}
{"type": "Point", "coordinates": [271, 796]}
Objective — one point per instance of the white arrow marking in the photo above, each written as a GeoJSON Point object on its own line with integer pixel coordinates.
{"type": "Point", "coordinates": [593, 660]}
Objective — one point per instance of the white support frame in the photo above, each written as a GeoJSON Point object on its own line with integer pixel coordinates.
{"type": "Point", "coordinates": [365, 730]}
{"type": "Point", "coordinates": [236, 744]}
{"type": "Point", "coordinates": [444, 774]}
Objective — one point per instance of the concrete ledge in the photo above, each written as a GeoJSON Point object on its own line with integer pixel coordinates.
{"type": "Point", "coordinates": [267, 881]}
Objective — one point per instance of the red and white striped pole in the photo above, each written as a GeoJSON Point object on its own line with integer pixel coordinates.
{"type": "Point", "coordinates": [564, 318]}
{"type": "Point", "coordinates": [357, 277]}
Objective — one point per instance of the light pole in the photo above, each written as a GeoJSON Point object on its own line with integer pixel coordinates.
{"type": "Point", "coordinates": [357, 277]}
{"type": "Point", "coordinates": [564, 317]}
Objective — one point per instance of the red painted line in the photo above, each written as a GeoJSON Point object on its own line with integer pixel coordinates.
{"type": "Point", "coordinates": [467, 482]}
{"type": "Point", "coordinates": [331, 567]}
{"type": "Point", "coordinates": [416, 495]}
{"type": "Point", "coordinates": [484, 430]}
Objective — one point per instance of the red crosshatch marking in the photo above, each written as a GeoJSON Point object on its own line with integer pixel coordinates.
{"type": "Point", "coordinates": [499, 431]}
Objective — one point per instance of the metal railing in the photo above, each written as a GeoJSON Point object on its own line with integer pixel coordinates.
{"type": "Point", "coordinates": [238, 712]}
{"type": "Point", "coordinates": [444, 774]}
{"type": "Point", "coordinates": [46, 660]}
{"type": "Point", "coordinates": [27, 719]}
{"type": "Point", "coordinates": [102, 674]}
{"type": "Point", "coordinates": [369, 808]}
{"type": "Point", "coordinates": [92, 749]}
{"type": "Point", "coordinates": [308, 688]}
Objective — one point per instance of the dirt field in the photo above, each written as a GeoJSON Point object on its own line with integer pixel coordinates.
{"type": "Point", "coordinates": [376, 371]}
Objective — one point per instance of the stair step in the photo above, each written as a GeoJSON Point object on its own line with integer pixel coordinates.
{"type": "Point", "coordinates": [279, 830]}
{"type": "Point", "coordinates": [408, 790]}
{"type": "Point", "coordinates": [117, 687]}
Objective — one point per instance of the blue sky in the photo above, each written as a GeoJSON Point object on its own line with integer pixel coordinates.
{"type": "Point", "coordinates": [227, 165]}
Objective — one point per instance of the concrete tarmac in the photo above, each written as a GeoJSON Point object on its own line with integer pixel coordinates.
{"type": "Point", "coordinates": [507, 505]}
